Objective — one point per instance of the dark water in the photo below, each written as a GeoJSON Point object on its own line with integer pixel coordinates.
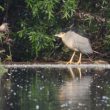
{"type": "Point", "coordinates": [55, 89]}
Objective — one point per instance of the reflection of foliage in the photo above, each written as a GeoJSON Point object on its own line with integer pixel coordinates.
{"type": "Point", "coordinates": [31, 90]}
{"type": "Point", "coordinates": [45, 94]}
{"type": "Point", "coordinates": [100, 91]}
{"type": "Point", "coordinates": [2, 69]}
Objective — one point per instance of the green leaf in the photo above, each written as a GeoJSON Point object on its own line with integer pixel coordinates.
{"type": "Point", "coordinates": [1, 8]}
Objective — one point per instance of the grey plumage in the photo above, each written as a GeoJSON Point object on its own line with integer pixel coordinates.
{"type": "Point", "coordinates": [76, 42]}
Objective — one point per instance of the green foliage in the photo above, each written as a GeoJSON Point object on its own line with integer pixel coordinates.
{"type": "Point", "coordinates": [69, 8]}
{"type": "Point", "coordinates": [48, 7]}
{"type": "Point", "coordinates": [37, 21]}
{"type": "Point", "coordinates": [2, 69]}
{"type": "Point", "coordinates": [107, 42]}
{"type": "Point", "coordinates": [41, 21]}
{"type": "Point", "coordinates": [1, 37]}
{"type": "Point", "coordinates": [1, 8]}
{"type": "Point", "coordinates": [39, 41]}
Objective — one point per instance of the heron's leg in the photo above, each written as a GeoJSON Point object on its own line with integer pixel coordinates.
{"type": "Point", "coordinates": [70, 61]}
{"type": "Point", "coordinates": [79, 71]}
{"type": "Point", "coordinates": [71, 72]}
{"type": "Point", "coordinates": [79, 61]}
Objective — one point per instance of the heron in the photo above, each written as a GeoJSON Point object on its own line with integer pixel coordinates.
{"type": "Point", "coordinates": [76, 43]}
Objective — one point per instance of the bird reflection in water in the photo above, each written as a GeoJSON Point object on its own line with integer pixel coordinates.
{"type": "Point", "coordinates": [74, 94]}
{"type": "Point", "coordinates": [72, 72]}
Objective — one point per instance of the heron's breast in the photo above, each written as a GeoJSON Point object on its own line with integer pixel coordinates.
{"type": "Point", "coordinates": [70, 44]}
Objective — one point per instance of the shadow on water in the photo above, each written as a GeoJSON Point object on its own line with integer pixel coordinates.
{"type": "Point", "coordinates": [55, 89]}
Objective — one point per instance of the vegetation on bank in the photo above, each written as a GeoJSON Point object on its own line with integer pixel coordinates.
{"type": "Point", "coordinates": [2, 70]}
{"type": "Point", "coordinates": [33, 24]}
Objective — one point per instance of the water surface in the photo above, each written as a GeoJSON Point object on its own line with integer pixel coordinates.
{"type": "Point", "coordinates": [55, 89]}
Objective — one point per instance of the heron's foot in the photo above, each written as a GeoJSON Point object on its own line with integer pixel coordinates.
{"type": "Point", "coordinates": [69, 62]}
{"type": "Point", "coordinates": [79, 62]}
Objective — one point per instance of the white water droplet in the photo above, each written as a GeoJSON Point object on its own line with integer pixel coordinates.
{"type": "Point", "coordinates": [37, 107]}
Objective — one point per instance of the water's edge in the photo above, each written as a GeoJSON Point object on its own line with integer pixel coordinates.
{"type": "Point", "coordinates": [106, 66]}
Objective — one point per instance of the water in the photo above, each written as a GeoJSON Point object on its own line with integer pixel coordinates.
{"type": "Point", "coordinates": [55, 89]}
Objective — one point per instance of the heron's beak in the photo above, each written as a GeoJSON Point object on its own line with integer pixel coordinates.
{"type": "Point", "coordinates": [57, 35]}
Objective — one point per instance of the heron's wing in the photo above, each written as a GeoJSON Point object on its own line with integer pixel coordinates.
{"type": "Point", "coordinates": [77, 42]}
{"type": "Point", "coordinates": [83, 44]}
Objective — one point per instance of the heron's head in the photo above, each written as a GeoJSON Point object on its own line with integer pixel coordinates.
{"type": "Point", "coordinates": [61, 34]}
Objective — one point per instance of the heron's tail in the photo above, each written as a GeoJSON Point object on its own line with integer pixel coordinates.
{"type": "Point", "coordinates": [98, 53]}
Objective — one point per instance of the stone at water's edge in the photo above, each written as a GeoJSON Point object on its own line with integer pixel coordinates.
{"type": "Point", "coordinates": [100, 62]}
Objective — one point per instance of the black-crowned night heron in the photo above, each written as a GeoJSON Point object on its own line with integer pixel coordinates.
{"type": "Point", "coordinates": [75, 42]}
{"type": "Point", "coordinates": [4, 28]}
